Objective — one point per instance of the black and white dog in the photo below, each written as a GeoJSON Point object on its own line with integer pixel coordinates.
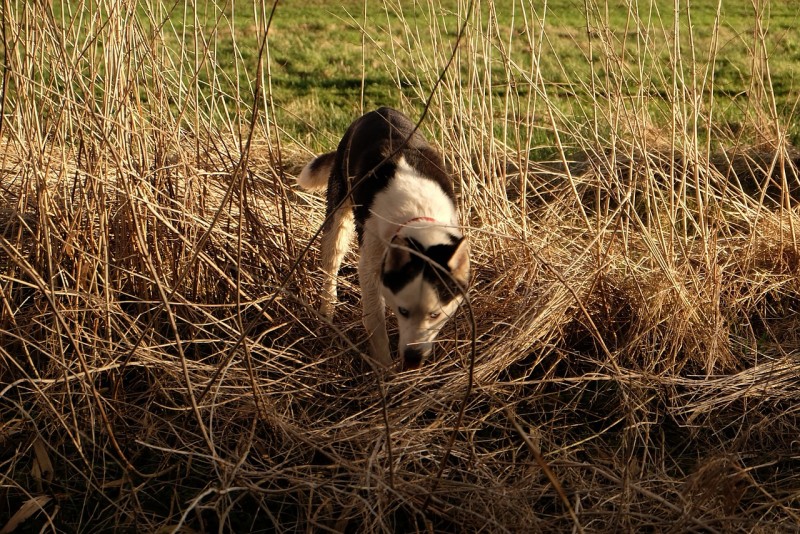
{"type": "Point", "coordinates": [413, 256]}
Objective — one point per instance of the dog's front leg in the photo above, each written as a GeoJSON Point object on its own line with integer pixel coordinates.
{"type": "Point", "coordinates": [375, 323]}
{"type": "Point", "coordinates": [372, 302]}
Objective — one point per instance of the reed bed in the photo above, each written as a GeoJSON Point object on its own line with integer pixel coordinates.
{"type": "Point", "coordinates": [628, 360]}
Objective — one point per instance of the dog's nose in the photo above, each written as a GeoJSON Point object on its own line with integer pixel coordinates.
{"type": "Point", "coordinates": [412, 359]}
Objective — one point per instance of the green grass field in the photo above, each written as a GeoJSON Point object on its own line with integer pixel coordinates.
{"type": "Point", "coordinates": [627, 176]}
{"type": "Point", "coordinates": [334, 62]}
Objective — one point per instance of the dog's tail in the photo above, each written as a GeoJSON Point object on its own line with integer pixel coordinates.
{"type": "Point", "coordinates": [315, 175]}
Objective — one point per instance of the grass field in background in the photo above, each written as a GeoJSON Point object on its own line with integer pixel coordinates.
{"type": "Point", "coordinates": [628, 178]}
{"type": "Point", "coordinates": [332, 61]}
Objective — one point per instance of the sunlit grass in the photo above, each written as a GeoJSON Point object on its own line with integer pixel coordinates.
{"type": "Point", "coordinates": [630, 191]}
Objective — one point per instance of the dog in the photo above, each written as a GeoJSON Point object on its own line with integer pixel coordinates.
{"type": "Point", "coordinates": [391, 186]}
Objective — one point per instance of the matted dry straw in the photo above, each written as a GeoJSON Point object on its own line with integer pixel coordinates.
{"type": "Point", "coordinates": [635, 310]}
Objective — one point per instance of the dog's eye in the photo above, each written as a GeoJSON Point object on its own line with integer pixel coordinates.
{"type": "Point", "coordinates": [434, 315]}
{"type": "Point", "coordinates": [402, 311]}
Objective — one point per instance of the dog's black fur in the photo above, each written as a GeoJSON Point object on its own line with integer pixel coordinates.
{"type": "Point", "coordinates": [363, 167]}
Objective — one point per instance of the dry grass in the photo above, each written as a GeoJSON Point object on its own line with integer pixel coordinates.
{"type": "Point", "coordinates": [636, 307]}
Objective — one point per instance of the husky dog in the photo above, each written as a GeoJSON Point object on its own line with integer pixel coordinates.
{"type": "Point", "coordinates": [413, 257]}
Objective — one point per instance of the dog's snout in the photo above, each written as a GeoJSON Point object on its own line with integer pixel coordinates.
{"type": "Point", "coordinates": [412, 359]}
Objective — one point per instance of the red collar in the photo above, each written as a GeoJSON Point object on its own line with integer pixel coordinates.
{"type": "Point", "coordinates": [415, 219]}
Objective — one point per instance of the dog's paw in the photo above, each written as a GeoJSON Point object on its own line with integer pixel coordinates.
{"type": "Point", "coordinates": [326, 310]}
{"type": "Point", "coordinates": [383, 358]}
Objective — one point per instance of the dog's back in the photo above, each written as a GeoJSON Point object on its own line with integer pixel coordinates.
{"type": "Point", "coordinates": [367, 160]}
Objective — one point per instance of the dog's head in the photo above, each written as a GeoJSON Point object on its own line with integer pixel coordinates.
{"type": "Point", "coordinates": [424, 283]}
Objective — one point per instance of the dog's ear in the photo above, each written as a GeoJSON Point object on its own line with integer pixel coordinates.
{"type": "Point", "coordinates": [459, 263]}
{"type": "Point", "coordinates": [398, 254]}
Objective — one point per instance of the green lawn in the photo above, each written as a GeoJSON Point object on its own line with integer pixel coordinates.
{"type": "Point", "coordinates": [317, 63]}
{"type": "Point", "coordinates": [591, 64]}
